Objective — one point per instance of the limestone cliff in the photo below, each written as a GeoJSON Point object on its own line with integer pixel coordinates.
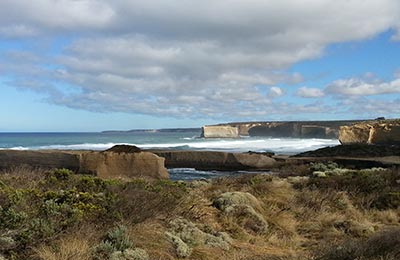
{"type": "Point", "coordinates": [120, 162]}
{"type": "Point", "coordinates": [220, 132]}
{"type": "Point", "coordinates": [38, 159]}
{"type": "Point", "coordinates": [123, 165]}
{"type": "Point", "coordinates": [371, 132]}
{"type": "Point", "coordinates": [296, 129]}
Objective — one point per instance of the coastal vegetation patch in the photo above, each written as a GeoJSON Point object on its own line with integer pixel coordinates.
{"type": "Point", "coordinates": [293, 214]}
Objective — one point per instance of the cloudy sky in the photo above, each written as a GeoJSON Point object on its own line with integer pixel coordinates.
{"type": "Point", "coordinates": [89, 65]}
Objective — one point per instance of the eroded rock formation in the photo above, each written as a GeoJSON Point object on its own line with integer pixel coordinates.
{"type": "Point", "coordinates": [296, 129]}
{"type": "Point", "coordinates": [220, 132]}
{"type": "Point", "coordinates": [118, 162]}
{"type": "Point", "coordinates": [371, 132]}
{"type": "Point", "coordinates": [38, 159]}
{"type": "Point", "coordinates": [123, 165]}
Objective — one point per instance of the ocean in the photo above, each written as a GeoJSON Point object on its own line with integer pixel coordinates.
{"type": "Point", "coordinates": [179, 140]}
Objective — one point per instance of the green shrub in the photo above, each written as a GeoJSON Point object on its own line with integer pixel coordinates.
{"type": "Point", "coordinates": [373, 188]}
{"type": "Point", "coordinates": [115, 240]}
{"type": "Point", "coordinates": [61, 174]}
{"type": "Point", "coordinates": [118, 238]}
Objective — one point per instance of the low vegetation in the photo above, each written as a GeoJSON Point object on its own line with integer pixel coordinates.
{"type": "Point", "coordinates": [325, 213]}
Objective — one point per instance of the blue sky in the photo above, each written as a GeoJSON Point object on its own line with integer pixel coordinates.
{"type": "Point", "coordinates": [95, 65]}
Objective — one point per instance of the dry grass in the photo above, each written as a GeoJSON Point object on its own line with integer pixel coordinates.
{"type": "Point", "coordinates": [70, 248]}
{"type": "Point", "coordinates": [151, 236]}
{"type": "Point", "coordinates": [386, 217]}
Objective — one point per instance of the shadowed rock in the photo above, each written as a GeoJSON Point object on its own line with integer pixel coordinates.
{"type": "Point", "coordinates": [123, 148]}
{"type": "Point", "coordinates": [39, 159]}
{"type": "Point", "coordinates": [210, 160]}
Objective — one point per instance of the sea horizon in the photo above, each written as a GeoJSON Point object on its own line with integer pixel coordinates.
{"type": "Point", "coordinates": [186, 140]}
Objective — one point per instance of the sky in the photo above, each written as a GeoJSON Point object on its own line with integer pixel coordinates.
{"type": "Point", "coordinates": [92, 65]}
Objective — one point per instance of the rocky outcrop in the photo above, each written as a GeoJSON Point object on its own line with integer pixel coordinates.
{"type": "Point", "coordinates": [220, 132]}
{"type": "Point", "coordinates": [371, 132]}
{"type": "Point", "coordinates": [119, 162]}
{"type": "Point", "coordinates": [123, 148]}
{"type": "Point", "coordinates": [386, 133]}
{"type": "Point", "coordinates": [358, 133]}
{"type": "Point", "coordinates": [38, 159]}
{"type": "Point", "coordinates": [123, 165]}
{"type": "Point", "coordinates": [210, 160]}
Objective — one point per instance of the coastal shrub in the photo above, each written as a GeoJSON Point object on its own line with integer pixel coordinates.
{"type": "Point", "coordinates": [138, 200]}
{"type": "Point", "coordinates": [383, 245]}
{"type": "Point", "coordinates": [103, 250]}
{"type": "Point", "coordinates": [371, 188]}
{"type": "Point", "coordinates": [181, 248]}
{"type": "Point", "coordinates": [292, 169]}
{"type": "Point", "coordinates": [117, 246]}
{"type": "Point", "coordinates": [323, 167]}
{"type": "Point", "coordinates": [41, 211]}
{"type": "Point", "coordinates": [62, 174]}
{"type": "Point", "coordinates": [130, 254]}
{"type": "Point", "coordinates": [185, 236]}
{"type": "Point", "coordinates": [387, 200]}
{"type": "Point", "coordinates": [117, 237]}
{"type": "Point", "coordinates": [244, 207]}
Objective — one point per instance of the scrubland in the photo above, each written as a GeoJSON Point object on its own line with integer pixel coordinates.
{"type": "Point", "coordinates": [313, 211]}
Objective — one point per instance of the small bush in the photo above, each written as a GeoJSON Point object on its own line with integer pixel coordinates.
{"type": "Point", "coordinates": [384, 245]}
{"type": "Point", "coordinates": [118, 238]}
{"type": "Point", "coordinates": [373, 188]}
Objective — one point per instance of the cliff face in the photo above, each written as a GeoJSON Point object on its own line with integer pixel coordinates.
{"type": "Point", "coordinates": [210, 160]}
{"type": "Point", "coordinates": [220, 132]}
{"type": "Point", "coordinates": [123, 165]}
{"type": "Point", "coordinates": [36, 159]}
{"type": "Point", "coordinates": [371, 132]}
{"type": "Point", "coordinates": [300, 129]}
{"type": "Point", "coordinates": [102, 164]}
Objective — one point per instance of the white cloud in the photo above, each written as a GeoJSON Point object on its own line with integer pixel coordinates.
{"type": "Point", "coordinates": [363, 87]}
{"type": "Point", "coordinates": [186, 58]}
{"type": "Point", "coordinates": [367, 107]}
{"type": "Point", "coordinates": [275, 92]}
{"type": "Point", "coordinates": [307, 92]}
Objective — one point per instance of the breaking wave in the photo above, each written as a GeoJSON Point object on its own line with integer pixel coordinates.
{"type": "Point", "coordinates": [277, 145]}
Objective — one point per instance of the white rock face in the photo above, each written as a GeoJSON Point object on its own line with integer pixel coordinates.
{"type": "Point", "coordinates": [220, 132]}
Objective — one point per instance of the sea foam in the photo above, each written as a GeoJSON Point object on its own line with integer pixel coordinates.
{"type": "Point", "coordinates": [277, 145]}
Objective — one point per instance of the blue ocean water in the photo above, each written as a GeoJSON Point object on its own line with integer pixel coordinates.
{"type": "Point", "coordinates": [186, 140]}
